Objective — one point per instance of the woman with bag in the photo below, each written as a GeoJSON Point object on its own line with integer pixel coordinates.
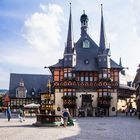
{"type": "Point", "coordinates": [66, 115]}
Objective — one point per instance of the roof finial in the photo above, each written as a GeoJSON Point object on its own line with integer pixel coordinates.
{"type": "Point", "coordinates": [70, 7]}
{"type": "Point", "coordinates": [120, 62]}
{"type": "Point", "coordinates": [83, 11]}
{"type": "Point", "coordinates": [101, 9]}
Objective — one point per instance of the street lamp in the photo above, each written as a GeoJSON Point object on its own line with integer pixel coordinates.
{"type": "Point", "coordinates": [123, 70]}
{"type": "Point", "coordinates": [33, 93]}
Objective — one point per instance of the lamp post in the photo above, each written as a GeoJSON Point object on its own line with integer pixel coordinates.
{"type": "Point", "coordinates": [33, 93]}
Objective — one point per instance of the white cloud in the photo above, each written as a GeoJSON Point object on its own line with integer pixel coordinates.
{"type": "Point", "coordinates": [43, 29]}
{"type": "Point", "coordinates": [136, 15]}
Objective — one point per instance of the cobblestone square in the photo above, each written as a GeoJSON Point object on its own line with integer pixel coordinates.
{"type": "Point", "coordinates": [105, 128]}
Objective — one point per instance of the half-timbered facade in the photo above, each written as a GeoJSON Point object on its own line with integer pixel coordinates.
{"type": "Point", "coordinates": [25, 89]}
{"type": "Point", "coordinates": [86, 79]}
{"type": "Point", "coordinates": [136, 82]}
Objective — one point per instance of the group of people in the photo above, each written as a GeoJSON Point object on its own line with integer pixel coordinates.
{"type": "Point", "coordinates": [21, 114]}
{"type": "Point", "coordinates": [131, 111]}
{"type": "Point", "coordinates": [65, 114]}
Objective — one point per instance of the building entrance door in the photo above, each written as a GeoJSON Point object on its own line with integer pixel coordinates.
{"type": "Point", "coordinates": [106, 111]}
{"type": "Point", "coordinates": [87, 104]}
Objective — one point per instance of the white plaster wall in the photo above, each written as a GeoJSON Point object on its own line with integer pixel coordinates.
{"type": "Point", "coordinates": [58, 102]}
{"type": "Point", "coordinates": [113, 104]}
{"type": "Point", "coordinates": [94, 103]}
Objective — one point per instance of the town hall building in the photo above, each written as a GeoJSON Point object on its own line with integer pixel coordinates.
{"type": "Point", "coordinates": [86, 79]}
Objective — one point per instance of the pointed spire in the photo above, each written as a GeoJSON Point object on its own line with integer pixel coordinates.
{"type": "Point", "coordinates": [120, 63]}
{"type": "Point", "coordinates": [102, 32]}
{"type": "Point", "coordinates": [69, 43]}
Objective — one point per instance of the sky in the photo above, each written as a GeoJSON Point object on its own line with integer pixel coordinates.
{"type": "Point", "coordinates": [33, 33]}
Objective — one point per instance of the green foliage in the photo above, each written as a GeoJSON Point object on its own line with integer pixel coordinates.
{"type": "Point", "coordinates": [105, 98]}
{"type": "Point", "coordinates": [67, 97]}
{"type": "Point", "coordinates": [105, 80]}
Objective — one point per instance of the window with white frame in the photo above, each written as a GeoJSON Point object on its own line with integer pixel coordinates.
{"type": "Point", "coordinates": [86, 78]}
{"type": "Point", "coordinates": [82, 78]}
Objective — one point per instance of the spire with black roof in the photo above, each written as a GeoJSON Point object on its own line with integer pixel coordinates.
{"type": "Point", "coordinates": [69, 44]}
{"type": "Point", "coordinates": [102, 32]}
{"type": "Point", "coordinates": [120, 63]}
{"type": "Point", "coordinates": [68, 53]}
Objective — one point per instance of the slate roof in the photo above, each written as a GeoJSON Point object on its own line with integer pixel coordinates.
{"type": "Point", "coordinates": [89, 55]}
{"type": "Point", "coordinates": [122, 86]}
{"type": "Point", "coordinates": [83, 54]}
{"type": "Point", "coordinates": [115, 65]}
{"type": "Point", "coordinates": [60, 63]}
{"type": "Point", "coordinates": [31, 81]}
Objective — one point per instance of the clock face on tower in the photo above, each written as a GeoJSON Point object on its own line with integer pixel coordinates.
{"type": "Point", "coordinates": [86, 44]}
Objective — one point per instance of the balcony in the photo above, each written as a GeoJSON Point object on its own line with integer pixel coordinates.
{"type": "Point", "coordinates": [67, 97]}
{"type": "Point", "coordinates": [82, 84]}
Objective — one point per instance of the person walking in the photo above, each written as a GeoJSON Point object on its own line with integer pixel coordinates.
{"type": "Point", "coordinates": [20, 115]}
{"type": "Point", "coordinates": [8, 113]}
{"type": "Point", "coordinates": [66, 115]}
{"type": "Point", "coordinates": [126, 111]}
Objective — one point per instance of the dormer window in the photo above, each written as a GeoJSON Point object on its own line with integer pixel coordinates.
{"type": "Point", "coordinates": [21, 91]}
{"type": "Point", "coordinates": [86, 44]}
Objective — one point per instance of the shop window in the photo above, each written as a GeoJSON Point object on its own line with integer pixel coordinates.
{"type": "Point", "coordinates": [104, 93]}
{"type": "Point", "coordinates": [82, 78]}
{"type": "Point", "coordinates": [65, 75]}
{"type": "Point", "coordinates": [65, 93]}
{"type": "Point", "coordinates": [95, 78]}
{"type": "Point", "coordinates": [116, 78]}
{"type": "Point", "coordinates": [86, 78]}
{"type": "Point", "coordinates": [109, 94]}
{"type": "Point", "coordinates": [91, 78]}
{"type": "Point", "coordinates": [69, 93]}
{"type": "Point", "coordinates": [100, 94]}
{"type": "Point", "coordinates": [100, 75]}
{"type": "Point", "coordinates": [69, 75]}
